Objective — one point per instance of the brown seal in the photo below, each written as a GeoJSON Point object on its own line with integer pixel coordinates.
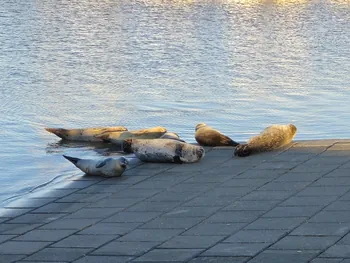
{"type": "Point", "coordinates": [207, 136]}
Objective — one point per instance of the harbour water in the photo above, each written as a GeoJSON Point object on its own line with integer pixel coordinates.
{"type": "Point", "coordinates": [238, 65]}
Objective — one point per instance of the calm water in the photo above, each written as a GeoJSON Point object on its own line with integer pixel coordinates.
{"type": "Point", "coordinates": [237, 65]}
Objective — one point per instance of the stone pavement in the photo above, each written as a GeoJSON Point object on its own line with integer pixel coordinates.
{"type": "Point", "coordinates": [287, 206]}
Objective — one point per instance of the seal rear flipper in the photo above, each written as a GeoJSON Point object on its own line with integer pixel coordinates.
{"type": "Point", "coordinates": [72, 159]}
{"type": "Point", "coordinates": [242, 150]}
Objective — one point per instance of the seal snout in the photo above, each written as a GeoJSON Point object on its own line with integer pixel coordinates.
{"type": "Point", "coordinates": [200, 152]}
{"type": "Point", "coordinates": [123, 162]}
{"type": "Point", "coordinates": [127, 146]}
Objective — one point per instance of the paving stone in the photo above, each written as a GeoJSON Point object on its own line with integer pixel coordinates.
{"type": "Point", "coordinates": [229, 191]}
{"type": "Point", "coordinates": [83, 241]}
{"type": "Point", "coordinates": [275, 164]}
{"type": "Point", "coordinates": [173, 222]}
{"type": "Point", "coordinates": [251, 205]}
{"type": "Point", "coordinates": [305, 242]}
{"type": "Point", "coordinates": [150, 235]}
{"type": "Point", "coordinates": [308, 201]}
{"type": "Point", "coordinates": [45, 235]}
{"type": "Point", "coordinates": [337, 251]}
{"type": "Point", "coordinates": [58, 254]}
{"type": "Point", "coordinates": [132, 193]}
{"type": "Point", "coordinates": [293, 157]}
{"type": "Point", "coordinates": [234, 216]}
{"type": "Point", "coordinates": [125, 248]}
{"type": "Point", "coordinates": [19, 247]}
{"type": "Point", "coordinates": [16, 229]}
{"type": "Point", "coordinates": [4, 238]}
{"type": "Point", "coordinates": [331, 217]}
{"type": "Point", "coordinates": [59, 208]}
{"type": "Point", "coordinates": [193, 187]}
{"type": "Point", "coordinates": [268, 195]}
{"type": "Point", "coordinates": [10, 258]}
{"type": "Point", "coordinates": [102, 188]}
{"type": "Point", "coordinates": [235, 249]}
{"type": "Point", "coordinates": [327, 260]}
{"type": "Point", "coordinates": [191, 211]}
{"type": "Point", "coordinates": [211, 201]}
{"type": "Point", "coordinates": [109, 229]}
{"type": "Point", "coordinates": [168, 255]}
{"type": "Point", "coordinates": [262, 174]}
{"type": "Point", "coordinates": [256, 236]}
{"type": "Point", "coordinates": [82, 198]}
{"type": "Point", "coordinates": [282, 186]}
{"type": "Point", "coordinates": [12, 212]}
{"type": "Point", "coordinates": [51, 192]}
{"type": "Point", "coordinates": [143, 171]}
{"type": "Point", "coordinates": [324, 159]}
{"type": "Point", "coordinates": [211, 229]}
{"type": "Point", "coordinates": [35, 218]}
{"type": "Point", "coordinates": [324, 190]}
{"type": "Point", "coordinates": [128, 180]}
{"type": "Point", "coordinates": [294, 211]}
{"type": "Point", "coordinates": [345, 197]}
{"type": "Point", "coordinates": [132, 217]}
{"type": "Point", "coordinates": [252, 182]}
{"type": "Point", "coordinates": [74, 184]}
{"type": "Point", "coordinates": [315, 168]}
{"type": "Point", "coordinates": [146, 206]}
{"type": "Point", "coordinates": [321, 229]}
{"type": "Point", "coordinates": [342, 172]}
{"type": "Point", "coordinates": [201, 179]}
{"type": "Point", "coordinates": [94, 212]}
{"type": "Point", "coordinates": [191, 242]}
{"type": "Point", "coordinates": [104, 259]}
{"type": "Point", "coordinates": [70, 223]}
{"type": "Point", "coordinates": [298, 177]}
{"type": "Point", "coordinates": [276, 223]}
{"type": "Point", "coordinates": [157, 184]}
{"type": "Point", "coordinates": [167, 196]}
{"type": "Point", "coordinates": [27, 203]}
{"type": "Point", "coordinates": [330, 181]}
{"type": "Point", "coordinates": [112, 202]}
{"type": "Point", "coordinates": [345, 240]}
{"type": "Point", "coordinates": [285, 256]}
{"type": "Point", "coordinates": [219, 260]}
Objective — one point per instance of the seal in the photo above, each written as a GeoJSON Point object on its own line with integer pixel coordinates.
{"type": "Point", "coordinates": [107, 168]}
{"type": "Point", "coordinates": [207, 136]}
{"type": "Point", "coordinates": [84, 134]}
{"type": "Point", "coordinates": [273, 137]}
{"type": "Point", "coordinates": [163, 150]}
{"type": "Point", "coordinates": [149, 133]}
{"type": "Point", "coordinates": [172, 136]}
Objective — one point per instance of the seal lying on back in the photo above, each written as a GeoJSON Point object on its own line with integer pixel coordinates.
{"type": "Point", "coordinates": [85, 134]}
{"type": "Point", "coordinates": [273, 137]}
{"type": "Point", "coordinates": [163, 150]}
{"type": "Point", "coordinates": [107, 168]}
{"type": "Point", "coordinates": [207, 136]}
{"type": "Point", "coordinates": [150, 133]}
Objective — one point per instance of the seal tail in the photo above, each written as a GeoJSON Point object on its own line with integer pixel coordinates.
{"type": "Point", "coordinates": [72, 159]}
{"type": "Point", "coordinates": [242, 150]}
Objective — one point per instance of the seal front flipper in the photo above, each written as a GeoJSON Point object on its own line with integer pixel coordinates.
{"type": "Point", "coordinates": [72, 159]}
{"type": "Point", "coordinates": [102, 163]}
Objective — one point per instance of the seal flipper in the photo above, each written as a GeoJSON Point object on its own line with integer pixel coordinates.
{"type": "Point", "coordinates": [72, 159]}
{"type": "Point", "coordinates": [178, 153]}
{"type": "Point", "coordinates": [102, 163]}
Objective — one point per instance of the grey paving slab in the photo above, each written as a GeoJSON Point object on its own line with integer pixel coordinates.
{"type": "Point", "coordinates": [219, 260]}
{"type": "Point", "coordinates": [315, 168]}
{"type": "Point", "coordinates": [268, 195]}
{"type": "Point", "coordinates": [321, 229]}
{"type": "Point", "coordinates": [70, 223]}
{"type": "Point", "coordinates": [59, 208]}
{"type": "Point", "coordinates": [277, 164]}
{"type": "Point", "coordinates": [298, 177]}
{"type": "Point", "coordinates": [234, 216]}
{"type": "Point", "coordinates": [104, 259]}
{"type": "Point", "coordinates": [132, 193]}
{"type": "Point", "coordinates": [214, 229]}
{"type": "Point", "coordinates": [116, 202]}
{"type": "Point", "coordinates": [128, 180]}
{"type": "Point", "coordinates": [88, 212]}
{"type": "Point", "coordinates": [193, 187]}
{"type": "Point", "coordinates": [45, 235]}
{"type": "Point", "coordinates": [285, 256]}
{"type": "Point", "coordinates": [345, 240]}
{"type": "Point", "coordinates": [235, 249]}
{"type": "Point", "coordinates": [211, 201]}
{"type": "Point", "coordinates": [168, 255]}
{"type": "Point", "coordinates": [305, 242]}
{"type": "Point", "coordinates": [287, 223]}
{"type": "Point", "coordinates": [51, 192]}
{"type": "Point", "coordinates": [35, 218]}
{"type": "Point", "coordinates": [10, 258]}
{"type": "Point", "coordinates": [262, 174]}
{"type": "Point", "coordinates": [229, 191]}
{"type": "Point", "coordinates": [109, 229]}
{"type": "Point", "coordinates": [326, 260]}
{"type": "Point", "coordinates": [125, 248]}
{"type": "Point", "coordinates": [21, 247]}
{"type": "Point", "coordinates": [150, 235]}
{"type": "Point", "coordinates": [27, 203]}
{"type": "Point", "coordinates": [331, 181]}
{"type": "Point", "coordinates": [191, 242]}
{"type": "Point", "coordinates": [331, 217]}
{"type": "Point", "coordinates": [251, 205]}
{"type": "Point", "coordinates": [79, 184]}
{"type": "Point", "coordinates": [256, 236]}
{"type": "Point", "coordinates": [146, 206]}
{"type": "Point", "coordinates": [192, 211]}
{"type": "Point", "coordinates": [16, 229]}
{"type": "Point", "coordinates": [82, 198]}
{"type": "Point", "coordinates": [324, 159]}
{"type": "Point", "coordinates": [4, 238]}
{"type": "Point", "coordinates": [102, 188]}
{"type": "Point", "coordinates": [173, 222]}
{"type": "Point", "coordinates": [251, 182]}
{"type": "Point", "coordinates": [337, 251]}
{"type": "Point", "coordinates": [84, 241]}
{"type": "Point", "coordinates": [283, 186]}
{"type": "Point", "coordinates": [12, 212]}
{"type": "Point", "coordinates": [167, 196]}
{"type": "Point", "coordinates": [58, 254]}
{"type": "Point", "coordinates": [309, 200]}
{"type": "Point", "coordinates": [132, 217]}
{"type": "Point", "coordinates": [294, 211]}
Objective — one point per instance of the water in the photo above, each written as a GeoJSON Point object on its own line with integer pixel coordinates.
{"type": "Point", "coordinates": [237, 65]}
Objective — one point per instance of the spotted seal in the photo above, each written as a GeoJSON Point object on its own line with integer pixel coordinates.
{"type": "Point", "coordinates": [163, 150]}
{"type": "Point", "coordinates": [109, 167]}
{"type": "Point", "coordinates": [84, 134]}
{"type": "Point", "coordinates": [207, 136]}
{"type": "Point", "coordinates": [273, 137]}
